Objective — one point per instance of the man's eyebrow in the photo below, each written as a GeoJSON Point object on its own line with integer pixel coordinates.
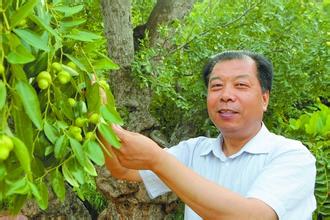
{"type": "Point", "coordinates": [214, 78]}
{"type": "Point", "coordinates": [236, 77]}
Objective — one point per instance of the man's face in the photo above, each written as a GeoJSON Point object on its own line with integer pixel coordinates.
{"type": "Point", "coordinates": [235, 100]}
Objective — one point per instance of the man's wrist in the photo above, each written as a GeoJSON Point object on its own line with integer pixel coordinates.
{"type": "Point", "coordinates": [160, 159]}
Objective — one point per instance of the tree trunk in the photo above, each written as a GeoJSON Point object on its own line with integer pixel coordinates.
{"type": "Point", "coordinates": [129, 200]}
{"type": "Point", "coordinates": [164, 12]}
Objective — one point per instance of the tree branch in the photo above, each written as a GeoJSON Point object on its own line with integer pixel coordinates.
{"type": "Point", "coordinates": [212, 29]}
{"type": "Point", "coordinates": [164, 12]}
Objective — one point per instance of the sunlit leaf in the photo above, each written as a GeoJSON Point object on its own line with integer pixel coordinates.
{"type": "Point", "coordinates": [83, 36]}
{"type": "Point", "coordinates": [18, 187]}
{"type": "Point", "coordinates": [3, 94]}
{"type": "Point", "coordinates": [93, 98]}
{"type": "Point", "coordinates": [20, 56]}
{"type": "Point", "coordinates": [76, 61]}
{"type": "Point", "coordinates": [58, 185]}
{"type": "Point", "coordinates": [47, 27]}
{"type": "Point", "coordinates": [50, 132]}
{"type": "Point", "coordinates": [78, 151]}
{"type": "Point", "coordinates": [68, 10]}
{"type": "Point", "coordinates": [105, 64]}
{"type": "Point", "coordinates": [68, 24]}
{"type": "Point", "coordinates": [30, 102]}
{"type": "Point", "coordinates": [22, 12]}
{"type": "Point", "coordinates": [111, 115]}
{"type": "Point", "coordinates": [109, 135]}
{"type": "Point", "coordinates": [61, 145]}
{"type": "Point", "coordinates": [94, 152]}
{"type": "Point", "coordinates": [32, 38]}
{"type": "Point", "coordinates": [89, 168]}
{"type": "Point", "coordinates": [68, 175]}
{"type": "Point", "coordinates": [22, 154]}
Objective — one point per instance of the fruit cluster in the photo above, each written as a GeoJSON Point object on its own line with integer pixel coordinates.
{"type": "Point", "coordinates": [44, 78]}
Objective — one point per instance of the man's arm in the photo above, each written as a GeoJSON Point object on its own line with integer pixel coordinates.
{"type": "Point", "coordinates": [206, 198]}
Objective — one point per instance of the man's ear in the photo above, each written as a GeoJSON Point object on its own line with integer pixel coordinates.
{"type": "Point", "coordinates": [265, 100]}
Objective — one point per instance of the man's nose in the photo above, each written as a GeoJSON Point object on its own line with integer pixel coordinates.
{"type": "Point", "coordinates": [227, 94]}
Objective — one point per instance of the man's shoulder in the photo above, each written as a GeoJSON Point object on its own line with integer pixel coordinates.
{"type": "Point", "coordinates": [282, 145]}
{"type": "Point", "coordinates": [198, 141]}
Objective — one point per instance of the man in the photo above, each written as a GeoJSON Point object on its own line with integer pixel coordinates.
{"type": "Point", "coordinates": [246, 172]}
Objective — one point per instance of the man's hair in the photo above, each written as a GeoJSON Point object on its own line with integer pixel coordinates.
{"type": "Point", "coordinates": [264, 66]}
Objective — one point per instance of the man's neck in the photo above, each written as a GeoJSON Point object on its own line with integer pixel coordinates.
{"type": "Point", "coordinates": [234, 143]}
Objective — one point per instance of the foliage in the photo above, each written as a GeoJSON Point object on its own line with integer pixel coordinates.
{"type": "Point", "coordinates": [294, 35]}
{"type": "Point", "coordinates": [141, 10]}
{"type": "Point", "coordinates": [314, 129]}
{"type": "Point", "coordinates": [94, 197]}
{"type": "Point", "coordinates": [49, 107]}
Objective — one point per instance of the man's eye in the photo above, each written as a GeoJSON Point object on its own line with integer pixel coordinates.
{"type": "Point", "coordinates": [242, 85]}
{"type": "Point", "coordinates": [216, 85]}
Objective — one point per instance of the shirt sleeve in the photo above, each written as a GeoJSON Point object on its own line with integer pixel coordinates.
{"type": "Point", "coordinates": [182, 152]}
{"type": "Point", "coordinates": [286, 182]}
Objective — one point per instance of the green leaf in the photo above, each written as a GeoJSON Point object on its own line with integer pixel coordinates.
{"type": "Point", "coordinates": [93, 98]}
{"type": "Point", "coordinates": [43, 202]}
{"type": "Point", "coordinates": [49, 149]}
{"type": "Point", "coordinates": [23, 125]}
{"type": "Point", "coordinates": [34, 190]}
{"type": "Point", "coordinates": [110, 98]}
{"type": "Point", "coordinates": [70, 70]}
{"type": "Point", "coordinates": [68, 10]}
{"type": "Point", "coordinates": [18, 187]}
{"type": "Point", "coordinates": [22, 12]}
{"type": "Point", "coordinates": [47, 27]}
{"type": "Point", "coordinates": [73, 23]}
{"type": "Point", "coordinates": [32, 38]}
{"type": "Point", "coordinates": [30, 102]}
{"type": "Point", "coordinates": [40, 64]}
{"type": "Point", "coordinates": [76, 61]}
{"type": "Point", "coordinates": [94, 152]}
{"type": "Point", "coordinates": [3, 94]}
{"type": "Point", "coordinates": [109, 135]}
{"type": "Point", "coordinates": [78, 151]}
{"type": "Point", "coordinates": [18, 72]}
{"type": "Point", "coordinates": [20, 56]}
{"type": "Point", "coordinates": [105, 64]}
{"type": "Point", "coordinates": [58, 185]}
{"type": "Point", "coordinates": [51, 132]}
{"type": "Point", "coordinates": [83, 36]}
{"type": "Point", "coordinates": [89, 168]}
{"type": "Point", "coordinates": [77, 171]}
{"type": "Point", "coordinates": [3, 172]}
{"type": "Point", "coordinates": [110, 114]}
{"type": "Point", "coordinates": [68, 175]}
{"type": "Point", "coordinates": [40, 192]}
{"type": "Point", "coordinates": [19, 201]}
{"type": "Point", "coordinates": [22, 154]}
{"type": "Point", "coordinates": [60, 147]}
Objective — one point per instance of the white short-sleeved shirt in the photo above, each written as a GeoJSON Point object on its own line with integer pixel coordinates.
{"type": "Point", "coordinates": [276, 170]}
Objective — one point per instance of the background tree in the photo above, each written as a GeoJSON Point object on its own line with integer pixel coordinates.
{"type": "Point", "coordinates": [167, 63]}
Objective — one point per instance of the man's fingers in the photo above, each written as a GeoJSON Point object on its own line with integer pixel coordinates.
{"type": "Point", "coordinates": [120, 132]}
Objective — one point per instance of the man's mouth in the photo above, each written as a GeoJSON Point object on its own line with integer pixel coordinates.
{"type": "Point", "coordinates": [227, 112]}
{"type": "Point", "coordinates": [223, 111]}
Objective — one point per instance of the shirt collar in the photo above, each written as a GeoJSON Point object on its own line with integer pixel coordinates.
{"type": "Point", "coordinates": [257, 145]}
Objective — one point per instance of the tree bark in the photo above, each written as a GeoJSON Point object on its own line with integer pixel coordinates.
{"type": "Point", "coordinates": [164, 12]}
{"type": "Point", "coordinates": [129, 200]}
